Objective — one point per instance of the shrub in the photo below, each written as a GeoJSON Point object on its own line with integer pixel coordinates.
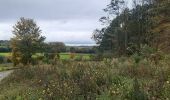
{"type": "Point", "coordinates": [9, 60]}
{"type": "Point", "coordinates": [34, 61]}
{"type": "Point", "coordinates": [146, 51]}
{"type": "Point", "coordinates": [1, 60]}
{"type": "Point", "coordinates": [40, 58]}
{"type": "Point", "coordinates": [96, 57]}
{"type": "Point", "coordinates": [79, 58]}
{"type": "Point", "coordinates": [119, 78]}
{"type": "Point", "coordinates": [72, 55]}
{"type": "Point", "coordinates": [108, 55]}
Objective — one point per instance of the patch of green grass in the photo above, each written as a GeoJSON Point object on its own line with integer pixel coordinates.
{"type": "Point", "coordinates": [62, 55]}
{"type": "Point", "coordinates": [3, 47]}
{"type": "Point", "coordinates": [116, 79]}
{"type": "Point", "coordinates": [5, 54]}
{"type": "Point", "coordinates": [4, 67]}
{"type": "Point", "coordinates": [66, 56]}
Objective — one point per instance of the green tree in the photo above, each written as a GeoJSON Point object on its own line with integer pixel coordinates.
{"type": "Point", "coordinates": [56, 47]}
{"type": "Point", "coordinates": [128, 30]}
{"type": "Point", "coordinates": [27, 41]}
{"type": "Point", "coordinates": [72, 49]}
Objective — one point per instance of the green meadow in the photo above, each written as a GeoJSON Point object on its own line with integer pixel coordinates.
{"type": "Point", "coordinates": [5, 54]}
{"type": "Point", "coordinates": [63, 56]}
{"type": "Point", "coordinates": [77, 55]}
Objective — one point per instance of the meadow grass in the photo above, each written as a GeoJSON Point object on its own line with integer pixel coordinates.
{"type": "Point", "coordinates": [110, 79]}
{"type": "Point", "coordinates": [67, 56]}
{"type": "Point", "coordinates": [63, 56]}
{"type": "Point", "coordinates": [5, 54]}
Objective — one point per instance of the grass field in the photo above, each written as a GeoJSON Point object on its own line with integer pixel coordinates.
{"type": "Point", "coordinates": [67, 56]}
{"type": "Point", "coordinates": [5, 54]}
{"type": "Point", "coordinates": [62, 55]}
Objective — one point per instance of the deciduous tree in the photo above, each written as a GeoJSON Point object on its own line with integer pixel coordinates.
{"type": "Point", "coordinates": [27, 41]}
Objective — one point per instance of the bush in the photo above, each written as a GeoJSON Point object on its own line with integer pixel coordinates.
{"type": "Point", "coordinates": [96, 57]}
{"type": "Point", "coordinates": [1, 60]}
{"type": "Point", "coordinates": [72, 55]}
{"type": "Point", "coordinates": [9, 60]}
{"type": "Point", "coordinates": [79, 58]}
{"type": "Point", "coordinates": [132, 78]}
{"type": "Point", "coordinates": [34, 61]}
{"type": "Point", "coordinates": [146, 51]}
{"type": "Point", "coordinates": [108, 55]}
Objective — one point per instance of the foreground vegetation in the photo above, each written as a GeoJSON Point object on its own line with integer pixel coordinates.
{"type": "Point", "coordinates": [119, 79]}
{"type": "Point", "coordinates": [5, 67]}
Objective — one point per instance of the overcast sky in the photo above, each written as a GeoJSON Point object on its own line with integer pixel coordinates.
{"type": "Point", "coordinates": [60, 20]}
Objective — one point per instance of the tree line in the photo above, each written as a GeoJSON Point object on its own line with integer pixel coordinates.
{"type": "Point", "coordinates": [127, 30]}
{"type": "Point", "coordinates": [5, 46]}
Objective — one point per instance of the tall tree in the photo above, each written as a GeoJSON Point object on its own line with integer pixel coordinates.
{"type": "Point", "coordinates": [113, 9]}
{"type": "Point", "coordinates": [27, 41]}
{"type": "Point", "coordinates": [127, 30]}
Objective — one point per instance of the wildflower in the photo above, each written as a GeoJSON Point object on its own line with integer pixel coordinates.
{"type": "Point", "coordinates": [114, 92]}
{"type": "Point", "coordinates": [43, 91]}
{"type": "Point", "coordinates": [39, 81]}
{"type": "Point", "coordinates": [117, 89]}
{"type": "Point", "coordinates": [153, 98]}
{"type": "Point", "coordinates": [40, 99]}
{"type": "Point", "coordinates": [50, 94]}
{"type": "Point", "coordinates": [167, 82]}
{"type": "Point", "coordinates": [65, 84]}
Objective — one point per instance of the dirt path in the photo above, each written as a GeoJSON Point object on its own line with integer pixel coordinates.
{"type": "Point", "coordinates": [5, 74]}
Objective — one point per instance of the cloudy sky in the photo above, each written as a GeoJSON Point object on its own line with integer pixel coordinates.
{"type": "Point", "coordinates": [68, 21]}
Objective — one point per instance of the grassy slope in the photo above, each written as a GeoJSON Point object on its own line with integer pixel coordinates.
{"type": "Point", "coordinates": [106, 80]}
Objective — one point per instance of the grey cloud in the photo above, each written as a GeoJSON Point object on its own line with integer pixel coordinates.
{"type": "Point", "coordinates": [60, 20]}
{"type": "Point", "coordinates": [70, 25]}
{"type": "Point", "coordinates": [51, 9]}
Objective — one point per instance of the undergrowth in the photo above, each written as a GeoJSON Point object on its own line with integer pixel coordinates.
{"type": "Point", "coordinates": [116, 79]}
